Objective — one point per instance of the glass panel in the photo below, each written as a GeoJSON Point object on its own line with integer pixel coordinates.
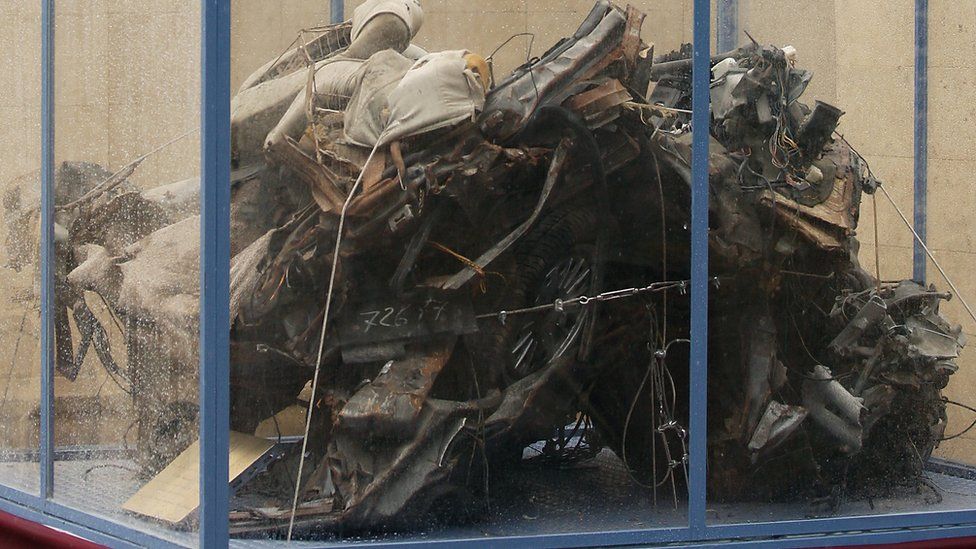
{"type": "Point", "coordinates": [828, 364]}
{"type": "Point", "coordinates": [127, 304]}
{"type": "Point", "coordinates": [951, 227]}
{"type": "Point", "coordinates": [20, 145]}
{"type": "Point", "coordinates": [467, 381]}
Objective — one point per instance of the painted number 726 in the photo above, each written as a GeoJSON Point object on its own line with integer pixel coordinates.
{"type": "Point", "coordinates": [398, 317]}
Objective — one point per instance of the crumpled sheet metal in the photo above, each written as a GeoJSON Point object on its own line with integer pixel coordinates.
{"type": "Point", "coordinates": [391, 404]}
{"type": "Point", "coordinates": [557, 76]}
{"type": "Point", "coordinates": [600, 106]}
{"type": "Point", "coordinates": [396, 485]}
{"type": "Point", "coordinates": [776, 425]}
{"type": "Point", "coordinates": [828, 224]}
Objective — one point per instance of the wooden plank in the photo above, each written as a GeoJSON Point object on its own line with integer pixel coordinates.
{"type": "Point", "coordinates": [174, 494]}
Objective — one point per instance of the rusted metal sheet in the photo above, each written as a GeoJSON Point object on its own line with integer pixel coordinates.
{"type": "Point", "coordinates": [390, 405]}
{"type": "Point", "coordinates": [601, 105]}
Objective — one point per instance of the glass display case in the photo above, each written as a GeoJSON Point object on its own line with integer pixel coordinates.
{"type": "Point", "coordinates": [845, 401]}
{"type": "Point", "coordinates": [412, 272]}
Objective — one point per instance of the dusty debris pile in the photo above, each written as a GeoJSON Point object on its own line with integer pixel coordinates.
{"type": "Point", "coordinates": [495, 260]}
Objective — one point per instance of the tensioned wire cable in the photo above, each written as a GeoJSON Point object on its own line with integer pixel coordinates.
{"type": "Point", "coordinates": [325, 324]}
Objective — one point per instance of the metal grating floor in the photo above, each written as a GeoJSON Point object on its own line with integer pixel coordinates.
{"type": "Point", "coordinates": [599, 496]}
{"type": "Point", "coordinates": [593, 496]}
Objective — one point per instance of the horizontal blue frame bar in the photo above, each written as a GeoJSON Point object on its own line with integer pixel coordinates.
{"type": "Point", "coordinates": [804, 533]}
{"type": "Point", "coordinates": [842, 539]}
{"type": "Point", "coordinates": [842, 524]}
{"type": "Point", "coordinates": [52, 522]}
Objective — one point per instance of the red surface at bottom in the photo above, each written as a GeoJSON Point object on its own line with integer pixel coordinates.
{"type": "Point", "coordinates": [954, 543]}
{"type": "Point", "coordinates": [16, 533]}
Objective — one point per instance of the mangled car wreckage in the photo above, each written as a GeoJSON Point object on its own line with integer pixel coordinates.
{"type": "Point", "coordinates": [438, 270]}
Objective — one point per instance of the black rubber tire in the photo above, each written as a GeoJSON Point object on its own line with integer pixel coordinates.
{"type": "Point", "coordinates": [557, 236]}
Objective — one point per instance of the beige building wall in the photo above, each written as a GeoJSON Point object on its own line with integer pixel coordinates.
{"type": "Point", "coordinates": [952, 191]}
{"type": "Point", "coordinates": [129, 80]}
{"type": "Point", "coordinates": [19, 154]}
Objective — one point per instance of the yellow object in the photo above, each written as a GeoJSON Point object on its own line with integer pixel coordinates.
{"type": "Point", "coordinates": [470, 264]}
{"type": "Point", "coordinates": [173, 494]}
{"type": "Point", "coordinates": [289, 422]}
{"type": "Point", "coordinates": [479, 66]}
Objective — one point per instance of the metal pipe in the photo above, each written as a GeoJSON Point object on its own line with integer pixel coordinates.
{"type": "Point", "coordinates": [921, 137]}
{"type": "Point", "coordinates": [215, 274]}
{"type": "Point", "coordinates": [47, 250]}
{"type": "Point", "coordinates": [919, 241]}
{"type": "Point", "coordinates": [701, 78]}
{"type": "Point", "coordinates": [666, 67]}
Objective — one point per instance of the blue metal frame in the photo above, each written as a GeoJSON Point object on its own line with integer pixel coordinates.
{"type": "Point", "coordinates": [727, 23]}
{"type": "Point", "coordinates": [214, 323]}
{"type": "Point", "coordinates": [920, 260]}
{"type": "Point", "coordinates": [701, 78]}
{"type": "Point", "coordinates": [337, 11]}
{"type": "Point", "coordinates": [215, 274]}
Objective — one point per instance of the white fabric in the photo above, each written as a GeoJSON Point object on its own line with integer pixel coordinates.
{"type": "Point", "coordinates": [438, 91]}
{"type": "Point", "coordinates": [407, 10]}
{"type": "Point", "coordinates": [414, 52]}
{"type": "Point", "coordinates": [368, 111]}
{"type": "Point", "coordinates": [336, 81]}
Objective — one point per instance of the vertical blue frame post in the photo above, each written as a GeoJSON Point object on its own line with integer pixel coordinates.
{"type": "Point", "coordinates": [47, 250]}
{"type": "Point", "coordinates": [337, 11]}
{"type": "Point", "coordinates": [215, 274]}
{"type": "Point", "coordinates": [701, 78]}
{"type": "Point", "coordinates": [920, 261]}
{"type": "Point", "coordinates": [727, 23]}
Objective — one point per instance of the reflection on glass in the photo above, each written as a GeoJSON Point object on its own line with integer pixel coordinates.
{"type": "Point", "coordinates": [19, 188]}
{"type": "Point", "coordinates": [127, 261]}
{"type": "Point", "coordinates": [457, 286]}
{"type": "Point", "coordinates": [828, 366]}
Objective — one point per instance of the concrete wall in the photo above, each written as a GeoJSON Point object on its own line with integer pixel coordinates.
{"type": "Point", "coordinates": [129, 81]}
